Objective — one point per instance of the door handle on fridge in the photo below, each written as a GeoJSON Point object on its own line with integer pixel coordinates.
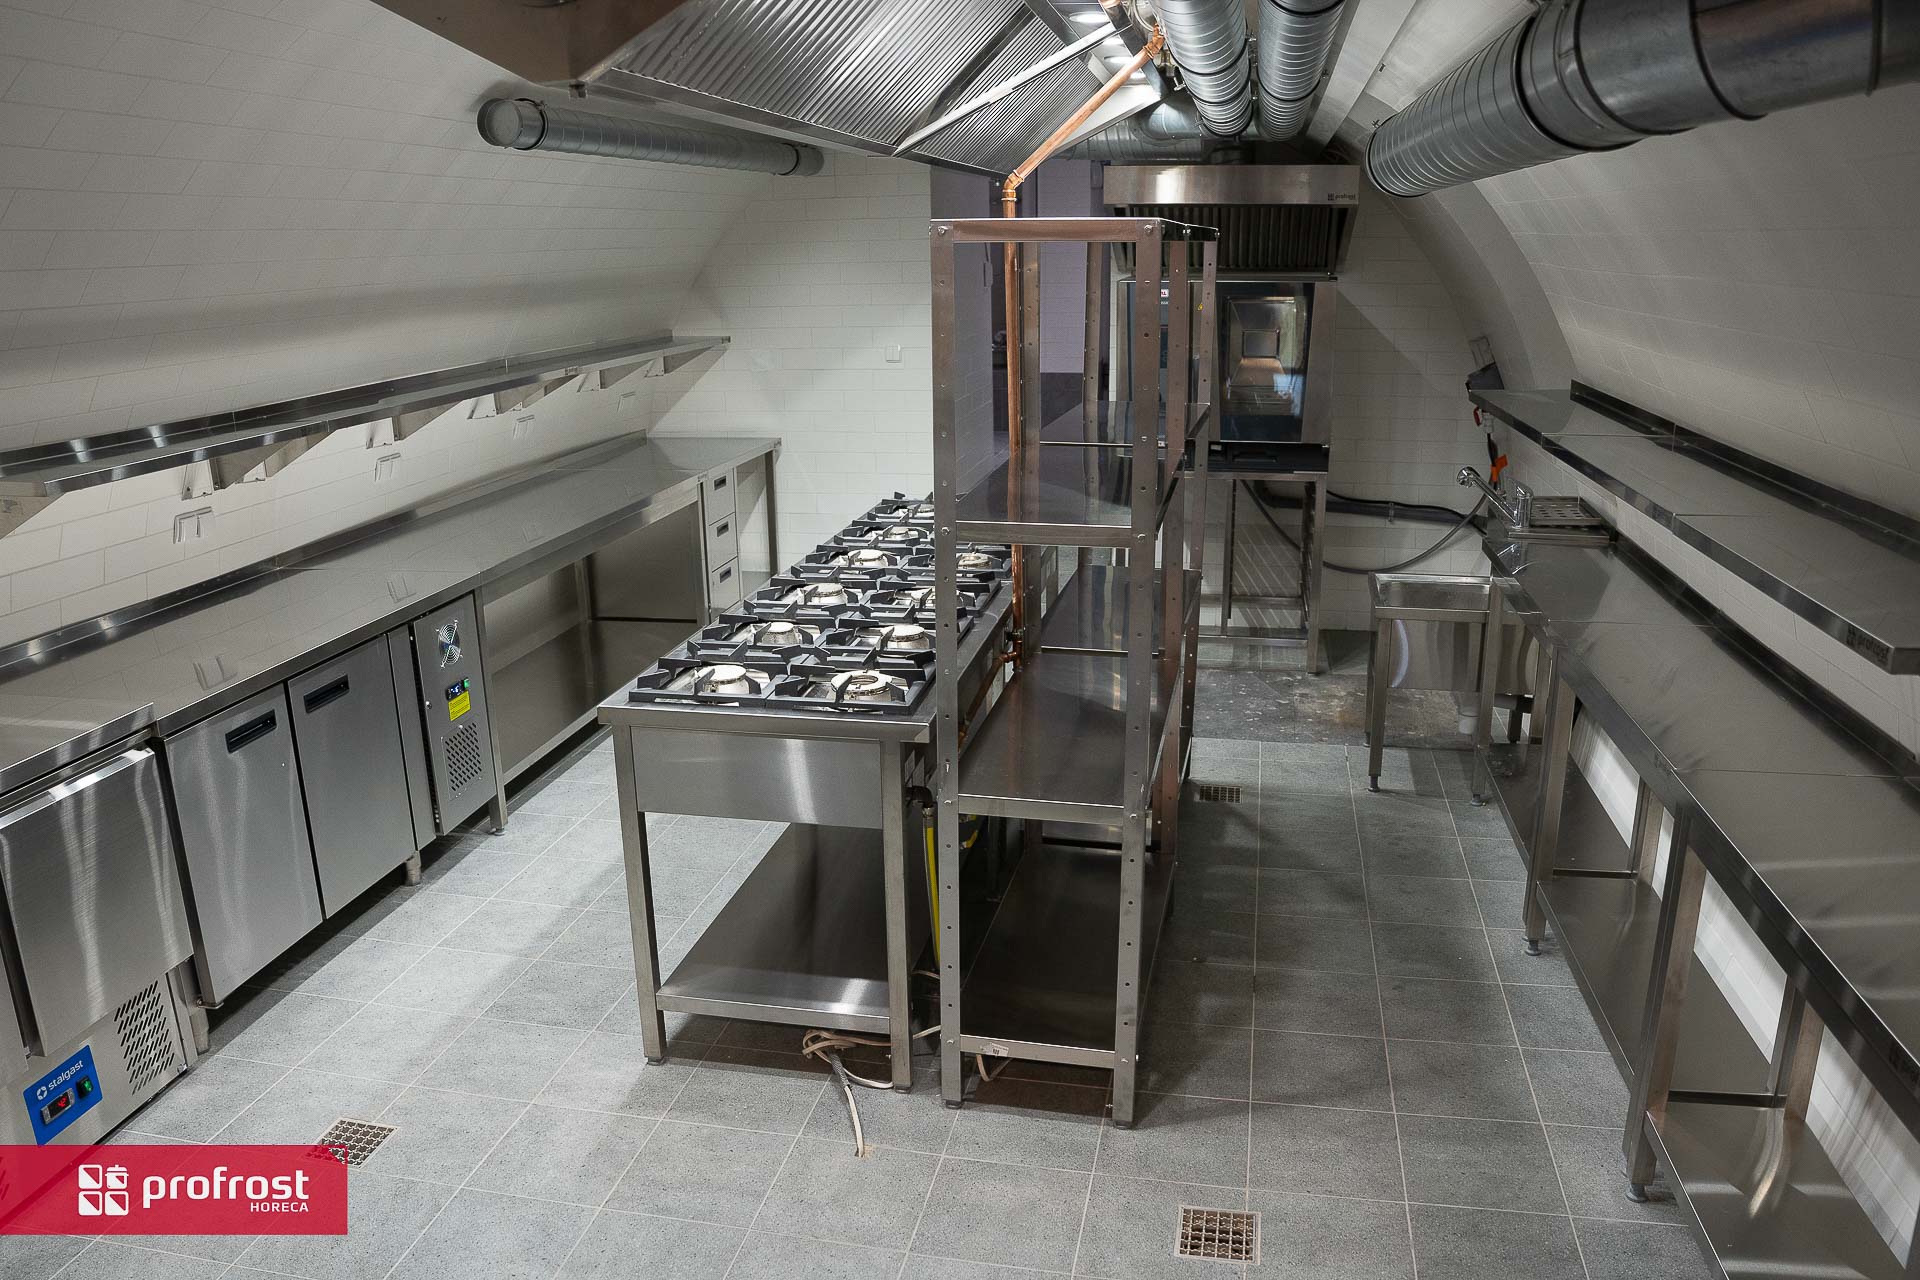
{"type": "Point", "coordinates": [251, 731]}
{"type": "Point", "coordinates": [328, 693]}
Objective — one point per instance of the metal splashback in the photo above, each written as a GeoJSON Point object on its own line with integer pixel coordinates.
{"type": "Point", "coordinates": [1283, 219]}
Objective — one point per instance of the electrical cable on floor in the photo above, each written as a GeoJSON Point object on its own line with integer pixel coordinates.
{"type": "Point", "coordinates": [1449, 536]}
{"type": "Point", "coordinates": [826, 1046]}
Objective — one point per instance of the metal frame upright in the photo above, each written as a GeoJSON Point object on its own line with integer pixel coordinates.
{"type": "Point", "coordinates": [1070, 739]}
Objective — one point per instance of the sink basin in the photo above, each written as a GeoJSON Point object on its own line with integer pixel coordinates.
{"type": "Point", "coordinates": [1432, 597]}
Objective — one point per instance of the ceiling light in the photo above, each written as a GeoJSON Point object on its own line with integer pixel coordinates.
{"type": "Point", "coordinates": [1089, 17]}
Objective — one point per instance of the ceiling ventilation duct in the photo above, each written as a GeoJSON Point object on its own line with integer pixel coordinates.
{"type": "Point", "coordinates": [1591, 75]}
{"type": "Point", "coordinates": [1295, 38]}
{"type": "Point", "coordinates": [526, 125]}
{"type": "Point", "coordinates": [1281, 219]}
{"type": "Point", "coordinates": [1208, 40]}
{"type": "Point", "coordinates": [1168, 131]}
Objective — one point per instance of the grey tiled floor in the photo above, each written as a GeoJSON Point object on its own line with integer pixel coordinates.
{"type": "Point", "coordinates": [1344, 1035]}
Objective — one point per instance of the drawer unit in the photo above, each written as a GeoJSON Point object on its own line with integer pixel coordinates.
{"type": "Point", "coordinates": [716, 495]}
{"type": "Point", "coordinates": [352, 771]}
{"type": "Point", "coordinates": [236, 791]}
{"type": "Point", "coordinates": [722, 543]}
{"type": "Point", "coordinates": [723, 586]}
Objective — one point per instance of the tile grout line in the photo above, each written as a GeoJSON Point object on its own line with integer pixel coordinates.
{"type": "Point", "coordinates": [939, 1164]}
{"type": "Point", "coordinates": [1253, 1018]}
{"type": "Point", "coordinates": [1399, 1142]}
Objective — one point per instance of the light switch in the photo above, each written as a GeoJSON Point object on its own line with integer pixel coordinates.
{"type": "Point", "coordinates": [385, 468]}
{"type": "Point", "coordinates": [892, 351]}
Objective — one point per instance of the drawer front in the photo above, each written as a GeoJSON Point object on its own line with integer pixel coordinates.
{"type": "Point", "coordinates": [716, 494]}
{"type": "Point", "coordinates": [723, 544]}
{"type": "Point", "coordinates": [723, 586]}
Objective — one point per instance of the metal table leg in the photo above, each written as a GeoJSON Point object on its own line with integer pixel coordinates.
{"type": "Point", "coordinates": [1557, 744]}
{"type": "Point", "coordinates": [1377, 702]}
{"type": "Point", "coordinates": [1226, 555]}
{"type": "Point", "coordinates": [646, 952]}
{"type": "Point", "coordinates": [893, 861]}
{"type": "Point", "coordinates": [1313, 516]}
{"type": "Point", "coordinates": [1490, 639]}
{"type": "Point", "coordinates": [1685, 878]}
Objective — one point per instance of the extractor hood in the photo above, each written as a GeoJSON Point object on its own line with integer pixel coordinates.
{"type": "Point", "coordinates": [1274, 219]}
{"type": "Point", "coordinates": [861, 74]}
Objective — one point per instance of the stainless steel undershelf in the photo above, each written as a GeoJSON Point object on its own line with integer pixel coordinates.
{"type": "Point", "coordinates": [1083, 499]}
{"type": "Point", "coordinates": [1042, 987]}
{"type": "Point", "coordinates": [802, 941]}
{"type": "Point", "coordinates": [1854, 579]}
{"type": "Point", "coordinates": [1588, 839]}
{"type": "Point", "coordinates": [550, 692]}
{"type": "Point", "coordinates": [1091, 610]}
{"type": "Point", "coordinates": [1768, 1207]}
{"type": "Point", "coordinates": [1108, 424]}
{"type": "Point", "coordinates": [1054, 746]}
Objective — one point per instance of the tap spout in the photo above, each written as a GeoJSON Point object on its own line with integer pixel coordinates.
{"type": "Point", "coordinates": [1518, 512]}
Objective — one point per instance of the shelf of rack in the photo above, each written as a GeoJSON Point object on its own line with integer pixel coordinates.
{"type": "Point", "coordinates": [1108, 424]}
{"type": "Point", "coordinates": [1081, 499]}
{"type": "Point", "coordinates": [1044, 981]}
{"type": "Point", "coordinates": [802, 941]}
{"type": "Point", "coordinates": [1090, 613]}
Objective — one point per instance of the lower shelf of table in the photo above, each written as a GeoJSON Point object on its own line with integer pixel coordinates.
{"type": "Point", "coordinates": [550, 692]}
{"type": "Point", "coordinates": [1044, 981]}
{"type": "Point", "coordinates": [803, 940]}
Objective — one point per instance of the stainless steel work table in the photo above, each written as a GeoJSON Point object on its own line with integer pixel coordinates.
{"type": "Point", "coordinates": [1808, 828]}
{"type": "Point", "coordinates": [196, 653]}
{"type": "Point", "coordinates": [1849, 568]}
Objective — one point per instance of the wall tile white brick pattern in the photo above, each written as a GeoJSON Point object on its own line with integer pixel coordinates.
{"type": "Point", "coordinates": [205, 205]}
{"type": "Point", "coordinates": [815, 283]}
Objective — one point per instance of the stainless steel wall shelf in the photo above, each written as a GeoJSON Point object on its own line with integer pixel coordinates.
{"type": "Point", "coordinates": [44, 471]}
{"type": "Point", "coordinates": [1848, 567]}
{"type": "Point", "coordinates": [1091, 725]}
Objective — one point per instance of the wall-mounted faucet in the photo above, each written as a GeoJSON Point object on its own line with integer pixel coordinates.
{"type": "Point", "coordinates": [1519, 513]}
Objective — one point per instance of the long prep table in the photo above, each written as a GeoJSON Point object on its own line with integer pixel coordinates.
{"type": "Point", "coordinates": [1804, 816]}
{"type": "Point", "coordinates": [491, 620]}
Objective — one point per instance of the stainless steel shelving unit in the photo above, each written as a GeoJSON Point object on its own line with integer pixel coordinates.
{"type": "Point", "coordinates": [1091, 724]}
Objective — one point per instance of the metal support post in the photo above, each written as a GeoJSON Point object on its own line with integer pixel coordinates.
{"type": "Point", "coordinates": [946, 735]}
{"type": "Point", "coordinates": [1377, 700]}
{"type": "Point", "coordinates": [646, 950]}
{"type": "Point", "coordinates": [1645, 841]}
{"type": "Point", "coordinates": [1226, 551]}
{"type": "Point", "coordinates": [1313, 518]}
{"type": "Point", "coordinates": [1683, 882]}
{"type": "Point", "coordinates": [1558, 745]}
{"type": "Point", "coordinates": [1490, 639]}
{"type": "Point", "coordinates": [893, 861]}
{"type": "Point", "coordinates": [412, 870]}
{"type": "Point", "coordinates": [1206, 356]}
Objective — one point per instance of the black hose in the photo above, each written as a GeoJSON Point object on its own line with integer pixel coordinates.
{"type": "Point", "coordinates": [1261, 504]}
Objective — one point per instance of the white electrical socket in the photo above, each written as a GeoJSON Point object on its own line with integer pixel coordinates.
{"type": "Point", "coordinates": [892, 352]}
{"type": "Point", "coordinates": [523, 426]}
{"type": "Point", "coordinates": [385, 468]}
{"type": "Point", "coordinates": [191, 526]}
{"type": "Point", "coordinates": [629, 402]}
{"type": "Point", "coordinates": [760, 360]}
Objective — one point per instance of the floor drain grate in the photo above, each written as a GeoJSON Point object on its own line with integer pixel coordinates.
{"type": "Point", "coordinates": [1219, 793]}
{"type": "Point", "coordinates": [352, 1141]}
{"type": "Point", "coordinates": [1224, 1235]}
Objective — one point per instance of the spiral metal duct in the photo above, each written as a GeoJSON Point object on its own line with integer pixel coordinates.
{"type": "Point", "coordinates": [1295, 39]}
{"type": "Point", "coordinates": [1208, 40]}
{"type": "Point", "coordinates": [1591, 75]}
{"type": "Point", "coordinates": [526, 125]}
{"type": "Point", "coordinates": [1169, 130]}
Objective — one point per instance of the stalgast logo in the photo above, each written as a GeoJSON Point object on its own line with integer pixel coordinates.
{"type": "Point", "coordinates": [185, 1190]}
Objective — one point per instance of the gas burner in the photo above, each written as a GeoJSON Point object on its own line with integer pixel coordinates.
{"type": "Point", "coordinates": [901, 509]}
{"type": "Point", "coordinates": [777, 633]}
{"type": "Point", "coordinates": [863, 558]}
{"type": "Point", "coordinates": [893, 535]}
{"type": "Point", "coordinates": [912, 599]}
{"type": "Point", "coordinates": [724, 679]}
{"type": "Point", "coordinates": [821, 595]}
{"type": "Point", "coordinates": [900, 637]}
{"type": "Point", "coordinates": [974, 561]}
{"type": "Point", "coordinates": [868, 686]}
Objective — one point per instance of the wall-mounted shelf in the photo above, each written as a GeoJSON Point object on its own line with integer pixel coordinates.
{"type": "Point", "coordinates": [32, 476]}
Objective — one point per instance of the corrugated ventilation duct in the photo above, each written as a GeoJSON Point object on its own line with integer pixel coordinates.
{"type": "Point", "coordinates": [1591, 75]}
{"type": "Point", "coordinates": [1208, 39]}
{"type": "Point", "coordinates": [1168, 130]}
{"type": "Point", "coordinates": [526, 125]}
{"type": "Point", "coordinates": [1295, 39]}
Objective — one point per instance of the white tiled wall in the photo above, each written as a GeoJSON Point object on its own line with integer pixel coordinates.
{"type": "Point", "coordinates": [1756, 281]}
{"type": "Point", "coordinates": [824, 286]}
{"type": "Point", "coordinates": [1402, 426]}
{"type": "Point", "coordinates": [214, 203]}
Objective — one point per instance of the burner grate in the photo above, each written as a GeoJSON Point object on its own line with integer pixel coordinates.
{"type": "Point", "coordinates": [353, 1141]}
{"type": "Point", "coordinates": [1223, 1235]}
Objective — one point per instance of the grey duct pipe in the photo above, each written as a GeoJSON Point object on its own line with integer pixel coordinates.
{"type": "Point", "coordinates": [1208, 40]}
{"type": "Point", "coordinates": [1295, 39]}
{"type": "Point", "coordinates": [1591, 75]}
{"type": "Point", "coordinates": [1169, 130]}
{"type": "Point", "coordinates": [526, 125]}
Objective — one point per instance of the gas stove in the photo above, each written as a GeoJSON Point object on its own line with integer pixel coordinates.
{"type": "Point", "coordinates": [847, 629]}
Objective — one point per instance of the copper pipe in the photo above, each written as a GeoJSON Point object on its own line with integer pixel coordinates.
{"type": "Point", "coordinates": [1010, 254]}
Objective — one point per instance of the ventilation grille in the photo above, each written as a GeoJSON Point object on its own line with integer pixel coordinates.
{"type": "Point", "coordinates": [1224, 1235]}
{"type": "Point", "coordinates": [144, 1027]}
{"type": "Point", "coordinates": [1219, 793]}
{"type": "Point", "coordinates": [464, 761]}
{"type": "Point", "coordinates": [353, 1141]}
{"type": "Point", "coordinates": [1294, 238]}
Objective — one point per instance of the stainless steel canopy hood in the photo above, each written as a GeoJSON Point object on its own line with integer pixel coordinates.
{"type": "Point", "coordinates": [1291, 219]}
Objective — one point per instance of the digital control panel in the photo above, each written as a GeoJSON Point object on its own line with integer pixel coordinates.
{"type": "Point", "coordinates": [62, 1096]}
{"type": "Point", "coordinates": [459, 698]}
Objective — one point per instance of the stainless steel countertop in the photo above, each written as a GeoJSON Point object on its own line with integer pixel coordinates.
{"type": "Point", "coordinates": [195, 657]}
{"type": "Point", "coordinates": [1858, 583]}
{"type": "Point", "coordinates": [1814, 836]}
